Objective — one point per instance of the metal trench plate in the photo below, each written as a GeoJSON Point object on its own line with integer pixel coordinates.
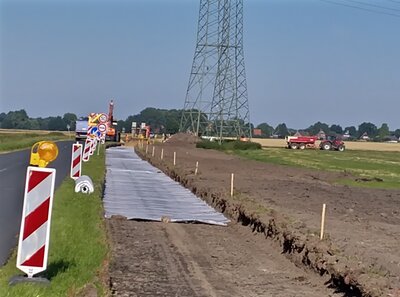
{"type": "Point", "coordinates": [137, 190]}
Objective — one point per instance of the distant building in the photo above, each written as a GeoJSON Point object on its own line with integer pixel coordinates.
{"type": "Point", "coordinates": [257, 132]}
{"type": "Point", "coordinates": [364, 137]}
{"type": "Point", "coordinates": [346, 135]}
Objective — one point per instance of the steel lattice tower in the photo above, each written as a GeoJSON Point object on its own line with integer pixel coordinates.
{"type": "Point", "coordinates": [216, 102]}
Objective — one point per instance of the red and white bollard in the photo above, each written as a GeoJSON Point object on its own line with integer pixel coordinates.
{"type": "Point", "coordinates": [34, 235]}
{"type": "Point", "coordinates": [76, 160]}
{"type": "Point", "coordinates": [93, 146]}
{"type": "Point", "coordinates": [86, 150]}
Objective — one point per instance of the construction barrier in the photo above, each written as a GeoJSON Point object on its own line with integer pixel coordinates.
{"type": "Point", "coordinates": [86, 150]}
{"type": "Point", "coordinates": [34, 235]}
{"type": "Point", "coordinates": [76, 160]}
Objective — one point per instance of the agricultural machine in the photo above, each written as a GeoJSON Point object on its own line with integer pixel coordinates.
{"type": "Point", "coordinates": [303, 142]}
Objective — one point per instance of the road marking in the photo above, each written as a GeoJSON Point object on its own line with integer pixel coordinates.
{"type": "Point", "coordinates": [4, 169]}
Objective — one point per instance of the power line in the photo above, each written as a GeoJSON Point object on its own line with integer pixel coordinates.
{"type": "Point", "coordinates": [394, 1]}
{"type": "Point", "coordinates": [373, 5]}
{"type": "Point", "coordinates": [361, 8]}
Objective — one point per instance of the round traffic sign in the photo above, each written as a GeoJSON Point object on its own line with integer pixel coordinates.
{"type": "Point", "coordinates": [103, 118]}
{"type": "Point", "coordinates": [102, 128]}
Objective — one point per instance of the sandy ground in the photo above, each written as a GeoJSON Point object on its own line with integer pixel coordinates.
{"type": "Point", "coordinates": [359, 254]}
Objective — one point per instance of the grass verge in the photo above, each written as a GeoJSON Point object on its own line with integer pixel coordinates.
{"type": "Point", "coordinates": [371, 168]}
{"type": "Point", "coordinates": [14, 141]}
{"type": "Point", "coordinates": [78, 251]}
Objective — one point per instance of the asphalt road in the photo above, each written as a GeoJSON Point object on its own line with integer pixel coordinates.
{"type": "Point", "coordinates": [12, 182]}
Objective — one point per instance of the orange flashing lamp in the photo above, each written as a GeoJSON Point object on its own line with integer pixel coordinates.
{"type": "Point", "coordinates": [43, 152]}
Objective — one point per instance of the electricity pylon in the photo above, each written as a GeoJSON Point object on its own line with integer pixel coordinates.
{"type": "Point", "coordinates": [216, 102]}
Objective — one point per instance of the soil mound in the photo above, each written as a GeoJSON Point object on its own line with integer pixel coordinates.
{"type": "Point", "coordinates": [183, 139]}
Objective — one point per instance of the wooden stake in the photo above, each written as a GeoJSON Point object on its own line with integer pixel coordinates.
{"type": "Point", "coordinates": [197, 168]}
{"type": "Point", "coordinates": [174, 158]}
{"type": "Point", "coordinates": [323, 221]}
{"type": "Point", "coordinates": [232, 176]}
{"type": "Point", "coordinates": [152, 154]}
{"type": "Point", "coordinates": [147, 148]}
{"type": "Point", "coordinates": [162, 153]}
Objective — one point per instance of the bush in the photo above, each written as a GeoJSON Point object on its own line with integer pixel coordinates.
{"type": "Point", "coordinates": [228, 145]}
{"type": "Point", "coordinates": [246, 145]}
{"type": "Point", "coordinates": [206, 144]}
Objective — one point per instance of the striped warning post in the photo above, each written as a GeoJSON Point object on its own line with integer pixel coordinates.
{"type": "Point", "coordinates": [93, 146]}
{"type": "Point", "coordinates": [33, 244]}
{"type": "Point", "coordinates": [76, 160]}
{"type": "Point", "coordinates": [86, 150]}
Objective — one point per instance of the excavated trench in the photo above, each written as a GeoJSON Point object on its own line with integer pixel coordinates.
{"type": "Point", "coordinates": [301, 249]}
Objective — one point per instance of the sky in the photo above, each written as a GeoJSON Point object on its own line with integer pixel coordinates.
{"type": "Point", "coordinates": [333, 61]}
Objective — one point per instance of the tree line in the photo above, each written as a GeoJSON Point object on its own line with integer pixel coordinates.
{"type": "Point", "coordinates": [19, 119]}
{"type": "Point", "coordinates": [382, 133]}
{"type": "Point", "coordinates": [168, 120]}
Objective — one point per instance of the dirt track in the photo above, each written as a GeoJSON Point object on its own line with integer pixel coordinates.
{"type": "Point", "coordinates": [284, 204]}
{"type": "Point", "coordinates": [163, 259]}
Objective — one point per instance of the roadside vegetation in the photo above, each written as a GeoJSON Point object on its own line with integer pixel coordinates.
{"type": "Point", "coordinates": [15, 141]}
{"type": "Point", "coordinates": [375, 169]}
{"type": "Point", "coordinates": [78, 252]}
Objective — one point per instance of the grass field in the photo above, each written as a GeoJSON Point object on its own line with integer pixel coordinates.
{"type": "Point", "coordinates": [78, 245]}
{"type": "Point", "coordinates": [19, 140]}
{"type": "Point", "coordinates": [378, 168]}
{"type": "Point", "coordinates": [350, 145]}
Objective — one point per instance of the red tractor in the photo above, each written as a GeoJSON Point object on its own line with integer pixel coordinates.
{"type": "Point", "coordinates": [332, 143]}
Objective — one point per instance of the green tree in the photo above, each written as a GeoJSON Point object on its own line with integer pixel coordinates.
{"type": "Point", "coordinates": [69, 119]}
{"type": "Point", "coordinates": [57, 124]}
{"type": "Point", "coordinates": [266, 130]}
{"type": "Point", "coordinates": [383, 132]}
{"type": "Point", "coordinates": [16, 120]}
{"type": "Point", "coordinates": [172, 121]}
{"type": "Point", "coordinates": [2, 117]}
{"type": "Point", "coordinates": [336, 129]}
{"type": "Point", "coordinates": [368, 128]}
{"type": "Point", "coordinates": [318, 126]}
{"type": "Point", "coordinates": [281, 130]}
{"type": "Point", "coordinates": [34, 123]}
{"type": "Point", "coordinates": [43, 123]}
{"type": "Point", "coordinates": [397, 133]}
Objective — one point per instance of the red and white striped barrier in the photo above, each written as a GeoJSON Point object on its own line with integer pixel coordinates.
{"type": "Point", "coordinates": [33, 245]}
{"type": "Point", "coordinates": [76, 160]}
{"type": "Point", "coordinates": [86, 150]}
{"type": "Point", "coordinates": [93, 146]}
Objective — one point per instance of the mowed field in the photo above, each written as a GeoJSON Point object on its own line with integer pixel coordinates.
{"type": "Point", "coordinates": [365, 164]}
{"type": "Point", "coordinates": [22, 131]}
{"type": "Point", "coordinates": [20, 139]}
{"type": "Point", "coordinates": [350, 145]}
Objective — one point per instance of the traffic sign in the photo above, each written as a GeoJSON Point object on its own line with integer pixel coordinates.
{"type": "Point", "coordinates": [94, 132]}
{"type": "Point", "coordinates": [102, 128]}
{"type": "Point", "coordinates": [103, 118]}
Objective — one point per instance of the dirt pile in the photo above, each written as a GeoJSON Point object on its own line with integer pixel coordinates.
{"type": "Point", "coordinates": [183, 139]}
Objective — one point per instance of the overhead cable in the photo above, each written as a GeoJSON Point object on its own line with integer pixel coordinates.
{"type": "Point", "coordinates": [361, 8]}
{"type": "Point", "coordinates": [373, 5]}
